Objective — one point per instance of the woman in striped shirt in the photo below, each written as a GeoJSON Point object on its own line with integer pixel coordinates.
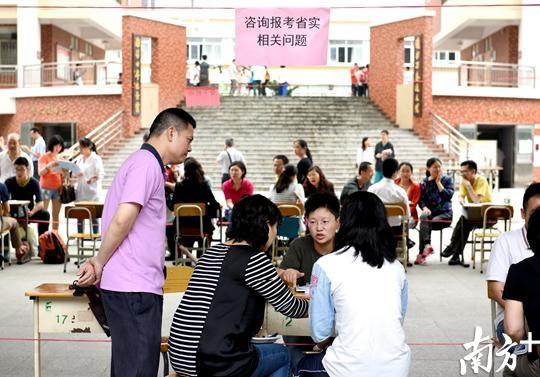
{"type": "Point", "coordinates": [224, 304]}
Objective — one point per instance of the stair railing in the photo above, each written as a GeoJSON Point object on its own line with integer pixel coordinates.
{"type": "Point", "coordinates": [109, 131]}
{"type": "Point", "coordinates": [458, 146]}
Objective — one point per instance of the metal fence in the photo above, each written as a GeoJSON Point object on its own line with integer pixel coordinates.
{"type": "Point", "coordinates": [85, 72]}
{"type": "Point", "coordinates": [496, 75]}
{"type": "Point", "coordinates": [8, 76]}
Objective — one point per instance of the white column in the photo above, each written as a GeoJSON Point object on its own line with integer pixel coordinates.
{"type": "Point", "coordinates": [529, 30]}
{"type": "Point", "coordinates": [28, 39]}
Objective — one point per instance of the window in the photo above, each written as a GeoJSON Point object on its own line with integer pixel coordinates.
{"type": "Point", "coordinates": [74, 44]}
{"type": "Point", "coordinates": [446, 56]}
{"type": "Point", "coordinates": [488, 44]}
{"type": "Point", "coordinates": [197, 47]}
{"type": "Point", "coordinates": [89, 50]}
{"type": "Point", "coordinates": [347, 52]}
{"type": "Point", "coordinates": [408, 51]}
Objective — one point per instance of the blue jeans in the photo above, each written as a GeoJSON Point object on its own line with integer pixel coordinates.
{"type": "Point", "coordinates": [311, 366]}
{"type": "Point", "coordinates": [274, 361]}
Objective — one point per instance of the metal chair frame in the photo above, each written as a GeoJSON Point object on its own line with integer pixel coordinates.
{"type": "Point", "coordinates": [399, 209]}
{"type": "Point", "coordinates": [80, 213]}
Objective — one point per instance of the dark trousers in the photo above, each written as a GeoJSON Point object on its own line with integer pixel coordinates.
{"type": "Point", "coordinates": [297, 345]}
{"type": "Point", "coordinates": [135, 323]}
{"type": "Point", "coordinates": [311, 366]}
{"type": "Point", "coordinates": [432, 223]}
{"type": "Point", "coordinates": [36, 173]}
{"type": "Point", "coordinates": [461, 235]}
{"type": "Point", "coordinates": [43, 217]}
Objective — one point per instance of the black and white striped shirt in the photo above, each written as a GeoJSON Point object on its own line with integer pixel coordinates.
{"type": "Point", "coordinates": [223, 308]}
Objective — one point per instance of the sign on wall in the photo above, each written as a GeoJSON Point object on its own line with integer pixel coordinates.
{"type": "Point", "coordinates": [136, 76]}
{"type": "Point", "coordinates": [282, 36]}
{"type": "Point", "coordinates": [418, 76]}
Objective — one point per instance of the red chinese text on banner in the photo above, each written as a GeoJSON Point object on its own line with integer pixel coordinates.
{"type": "Point", "coordinates": [282, 36]}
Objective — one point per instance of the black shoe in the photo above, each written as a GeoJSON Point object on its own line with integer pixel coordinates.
{"type": "Point", "coordinates": [456, 261]}
{"type": "Point", "coordinates": [448, 252]}
{"type": "Point", "coordinates": [410, 243]}
{"type": "Point", "coordinates": [409, 264]}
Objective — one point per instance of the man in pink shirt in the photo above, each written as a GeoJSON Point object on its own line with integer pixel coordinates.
{"type": "Point", "coordinates": [129, 265]}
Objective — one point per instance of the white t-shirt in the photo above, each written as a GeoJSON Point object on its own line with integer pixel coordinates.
{"type": "Point", "coordinates": [510, 248]}
{"type": "Point", "coordinates": [365, 155]}
{"type": "Point", "coordinates": [390, 193]}
{"type": "Point", "coordinates": [368, 306]}
{"type": "Point", "coordinates": [7, 169]}
{"type": "Point", "coordinates": [258, 72]}
{"type": "Point", "coordinates": [293, 193]}
{"type": "Point", "coordinates": [233, 72]}
{"type": "Point", "coordinates": [38, 147]}
{"type": "Point", "coordinates": [224, 160]}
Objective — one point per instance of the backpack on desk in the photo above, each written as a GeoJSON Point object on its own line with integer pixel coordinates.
{"type": "Point", "coordinates": [52, 249]}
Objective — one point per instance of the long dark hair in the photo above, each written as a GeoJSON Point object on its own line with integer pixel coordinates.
{"type": "Point", "coordinates": [286, 178]}
{"type": "Point", "coordinates": [324, 184]}
{"type": "Point", "coordinates": [303, 144]}
{"type": "Point", "coordinates": [87, 143]}
{"type": "Point", "coordinates": [193, 171]}
{"type": "Point", "coordinates": [364, 140]}
{"type": "Point", "coordinates": [364, 227]}
{"type": "Point", "coordinates": [54, 141]}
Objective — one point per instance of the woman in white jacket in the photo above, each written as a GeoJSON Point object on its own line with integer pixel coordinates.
{"type": "Point", "coordinates": [90, 177]}
{"type": "Point", "coordinates": [359, 293]}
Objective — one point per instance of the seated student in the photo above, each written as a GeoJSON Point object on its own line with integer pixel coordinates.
{"type": "Point", "coordinates": [25, 187]}
{"type": "Point", "coordinates": [360, 290]}
{"type": "Point", "coordinates": [192, 189]}
{"type": "Point", "coordinates": [279, 163]}
{"type": "Point", "coordinates": [390, 193]}
{"type": "Point", "coordinates": [287, 190]}
{"type": "Point", "coordinates": [522, 301]}
{"type": "Point", "coordinates": [436, 191]}
{"type": "Point", "coordinates": [510, 248]}
{"type": "Point", "coordinates": [359, 183]}
{"type": "Point", "coordinates": [316, 182]}
{"type": "Point", "coordinates": [322, 215]}
{"type": "Point", "coordinates": [238, 187]}
{"type": "Point", "coordinates": [473, 189]}
{"type": "Point", "coordinates": [411, 188]}
{"type": "Point", "coordinates": [224, 304]}
{"type": "Point", "coordinates": [9, 223]}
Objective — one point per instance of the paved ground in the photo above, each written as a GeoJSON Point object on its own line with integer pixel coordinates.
{"type": "Point", "coordinates": [445, 303]}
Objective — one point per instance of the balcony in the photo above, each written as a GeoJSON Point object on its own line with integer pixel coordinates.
{"type": "Point", "coordinates": [8, 76]}
{"type": "Point", "coordinates": [483, 79]}
{"type": "Point", "coordinates": [85, 72]}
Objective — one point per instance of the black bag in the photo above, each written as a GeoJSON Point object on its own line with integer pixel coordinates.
{"type": "Point", "coordinates": [67, 193]}
{"type": "Point", "coordinates": [95, 303]}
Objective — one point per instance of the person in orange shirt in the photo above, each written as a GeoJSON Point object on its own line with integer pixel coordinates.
{"type": "Point", "coordinates": [50, 179]}
{"type": "Point", "coordinates": [411, 188]}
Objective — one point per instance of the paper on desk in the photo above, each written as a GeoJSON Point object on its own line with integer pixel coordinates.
{"type": "Point", "coordinates": [66, 165]}
{"type": "Point", "coordinates": [303, 288]}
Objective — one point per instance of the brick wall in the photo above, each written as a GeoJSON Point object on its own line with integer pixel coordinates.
{"type": "Point", "coordinates": [458, 110]}
{"type": "Point", "coordinates": [386, 66]}
{"type": "Point", "coordinates": [168, 64]}
{"type": "Point", "coordinates": [505, 43]}
{"type": "Point", "coordinates": [87, 111]}
{"type": "Point", "coordinates": [52, 35]}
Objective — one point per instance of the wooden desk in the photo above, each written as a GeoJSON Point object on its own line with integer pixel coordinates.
{"type": "Point", "coordinates": [275, 322]}
{"type": "Point", "coordinates": [56, 310]}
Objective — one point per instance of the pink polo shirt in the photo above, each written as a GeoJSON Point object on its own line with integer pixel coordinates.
{"type": "Point", "coordinates": [137, 264]}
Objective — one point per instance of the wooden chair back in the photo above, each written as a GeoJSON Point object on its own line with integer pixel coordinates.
{"type": "Point", "coordinates": [189, 209]}
{"type": "Point", "coordinates": [80, 213]}
{"type": "Point", "coordinates": [289, 210]}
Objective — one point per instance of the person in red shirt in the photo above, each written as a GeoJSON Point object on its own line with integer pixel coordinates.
{"type": "Point", "coordinates": [354, 80]}
{"type": "Point", "coordinates": [411, 188]}
{"type": "Point", "coordinates": [238, 186]}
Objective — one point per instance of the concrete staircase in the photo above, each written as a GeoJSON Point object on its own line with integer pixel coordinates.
{"type": "Point", "coordinates": [264, 127]}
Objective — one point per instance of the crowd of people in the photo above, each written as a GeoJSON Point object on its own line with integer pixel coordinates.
{"type": "Point", "coordinates": [345, 252]}
{"type": "Point", "coordinates": [33, 174]}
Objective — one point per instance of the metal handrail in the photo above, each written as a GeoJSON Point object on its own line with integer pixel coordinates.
{"type": "Point", "coordinates": [101, 136]}
{"type": "Point", "coordinates": [8, 75]}
{"type": "Point", "coordinates": [458, 144]}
